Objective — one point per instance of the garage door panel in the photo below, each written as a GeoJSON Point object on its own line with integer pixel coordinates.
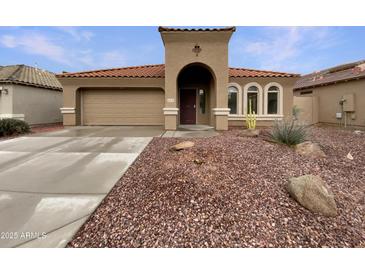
{"type": "Point", "coordinates": [123, 107]}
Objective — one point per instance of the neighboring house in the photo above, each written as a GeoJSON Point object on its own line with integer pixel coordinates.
{"type": "Point", "coordinates": [194, 86]}
{"type": "Point", "coordinates": [30, 94]}
{"type": "Point", "coordinates": [335, 95]}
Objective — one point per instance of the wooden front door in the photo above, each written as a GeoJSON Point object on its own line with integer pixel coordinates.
{"type": "Point", "coordinates": [187, 106]}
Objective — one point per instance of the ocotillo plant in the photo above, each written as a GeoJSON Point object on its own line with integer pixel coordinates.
{"type": "Point", "coordinates": [250, 117]}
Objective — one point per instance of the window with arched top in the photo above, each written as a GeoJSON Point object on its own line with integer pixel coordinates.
{"type": "Point", "coordinates": [252, 98]}
{"type": "Point", "coordinates": [232, 99]}
{"type": "Point", "coordinates": [273, 99]}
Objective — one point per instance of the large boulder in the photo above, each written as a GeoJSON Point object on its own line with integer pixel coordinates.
{"type": "Point", "coordinates": [313, 193]}
{"type": "Point", "coordinates": [310, 149]}
{"type": "Point", "coordinates": [249, 133]}
{"type": "Point", "coordinates": [182, 145]}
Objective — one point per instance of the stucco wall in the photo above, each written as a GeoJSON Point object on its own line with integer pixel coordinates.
{"type": "Point", "coordinates": [39, 105]}
{"type": "Point", "coordinates": [72, 98]}
{"type": "Point", "coordinates": [308, 109]}
{"type": "Point", "coordinates": [213, 55]}
{"type": "Point", "coordinates": [286, 83]}
{"type": "Point", "coordinates": [330, 96]}
{"type": "Point", "coordinates": [70, 94]}
{"type": "Point", "coordinates": [6, 101]}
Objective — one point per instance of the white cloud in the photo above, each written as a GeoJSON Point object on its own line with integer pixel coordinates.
{"type": "Point", "coordinates": [42, 45]}
{"type": "Point", "coordinates": [95, 60]}
{"type": "Point", "coordinates": [113, 58]}
{"type": "Point", "coordinates": [67, 51]}
{"type": "Point", "coordinates": [77, 34]}
{"type": "Point", "coordinates": [8, 41]}
{"type": "Point", "coordinates": [36, 44]}
{"type": "Point", "coordinates": [280, 48]}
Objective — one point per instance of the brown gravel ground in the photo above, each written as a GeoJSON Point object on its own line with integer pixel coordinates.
{"type": "Point", "coordinates": [236, 198]}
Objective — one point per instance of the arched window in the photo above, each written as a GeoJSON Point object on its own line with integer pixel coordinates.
{"type": "Point", "coordinates": [252, 95]}
{"type": "Point", "coordinates": [273, 99]}
{"type": "Point", "coordinates": [232, 99]}
{"type": "Point", "coordinates": [252, 98]}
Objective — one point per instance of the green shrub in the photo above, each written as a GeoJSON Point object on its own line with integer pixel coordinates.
{"type": "Point", "coordinates": [10, 127]}
{"type": "Point", "coordinates": [288, 132]}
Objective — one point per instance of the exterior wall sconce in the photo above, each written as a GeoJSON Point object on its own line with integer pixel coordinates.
{"type": "Point", "coordinates": [3, 91]}
{"type": "Point", "coordinates": [197, 49]}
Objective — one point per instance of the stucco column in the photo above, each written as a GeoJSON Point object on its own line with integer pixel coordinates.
{"type": "Point", "coordinates": [69, 109]}
{"type": "Point", "coordinates": [221, 109]}
{"type": "Point", "coordinates": [170, 110]}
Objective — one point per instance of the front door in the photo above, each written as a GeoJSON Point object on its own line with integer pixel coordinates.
{"type": "Point", "coordinates": [187, 106]}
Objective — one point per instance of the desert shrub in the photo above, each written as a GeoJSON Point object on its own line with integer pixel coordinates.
{"type": "Point", "coordinates": [10, 126]}
{"type": "Point", "coordinates": [288, 132]}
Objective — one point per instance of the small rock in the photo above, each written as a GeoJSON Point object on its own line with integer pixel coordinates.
{"type": "Point", "coordinates": [198, 161]}
{"type": "Point", "coordinates": [313, 193]}
{"type": "Point", "coordinates": [358, 132]}
{"type": "Point", "coordinates": [249, 133]}
{"type": "Point", "coordinates": [182, 145]}
{"type": "Point", "coordinates": [349, 156]}
{"type": "Point", "coordinates": [310, 149]}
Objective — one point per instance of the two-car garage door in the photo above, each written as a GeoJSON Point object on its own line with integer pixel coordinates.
{"type": "Point", "coordinates": [122, 107]}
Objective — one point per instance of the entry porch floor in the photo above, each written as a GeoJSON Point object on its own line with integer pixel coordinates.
{"type": "Point", "coordinates": [191, 131]}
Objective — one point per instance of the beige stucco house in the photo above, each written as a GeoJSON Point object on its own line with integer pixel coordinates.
{"type": "Point", "coordinates": [334, 96]}
{"type": "Point", "coordinates": [30, 94]}
{"type": "Point", "coordinates": [194, 86]}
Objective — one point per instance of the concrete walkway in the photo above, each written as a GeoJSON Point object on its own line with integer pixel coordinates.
{"type": "Point", "coordinates": [192, 131]}
{"type": "Point", "coordinates": [50, 183]}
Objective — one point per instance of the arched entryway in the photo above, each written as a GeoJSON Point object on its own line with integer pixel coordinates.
{"type": "Point", "coordinates": [195, 89]}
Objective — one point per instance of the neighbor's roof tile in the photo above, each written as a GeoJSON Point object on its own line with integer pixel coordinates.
{"type": "Point", "coordinates": [158, 71]}
{"type": "Point", "coordinates": [332, 75]}
{"type": "Point", "coordinates": [26, 75]}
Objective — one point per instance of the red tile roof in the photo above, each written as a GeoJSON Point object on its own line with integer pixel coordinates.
{"type": "Point", "coordinates": [165, 29]}
{"type": "Point", "coordinates": [158, 71]}
{"type": "Point", "coordinates": [345, 72]}
{"type": "Point", "coordinates": [148, 71]}
{"type": "Point", "coordinates": [244, 72]}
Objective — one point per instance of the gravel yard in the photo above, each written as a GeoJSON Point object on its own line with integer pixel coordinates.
{"type": "Point", "coordinates": [228, 191]}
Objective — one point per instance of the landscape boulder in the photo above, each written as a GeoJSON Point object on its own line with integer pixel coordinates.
{"type": "Point", "coordinates": [182, 145]}
{"type": "Point", "coordinates": [349, 156]}
{"type": "Point", "coordinates": [250, 133]}
{"type": "Point", "coordinates": [310, 149]}
{"type": "Point", "coordinates": [313, 193]}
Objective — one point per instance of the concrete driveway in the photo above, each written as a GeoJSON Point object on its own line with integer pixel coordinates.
{"type": "Point", "coordinates": [50, 183]}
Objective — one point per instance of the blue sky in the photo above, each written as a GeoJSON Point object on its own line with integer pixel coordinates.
{"type": "Point", "coordinates": [292, 49]}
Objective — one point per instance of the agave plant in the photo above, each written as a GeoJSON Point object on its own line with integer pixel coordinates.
{"type": "Point", "coordinates": [289, 132]}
